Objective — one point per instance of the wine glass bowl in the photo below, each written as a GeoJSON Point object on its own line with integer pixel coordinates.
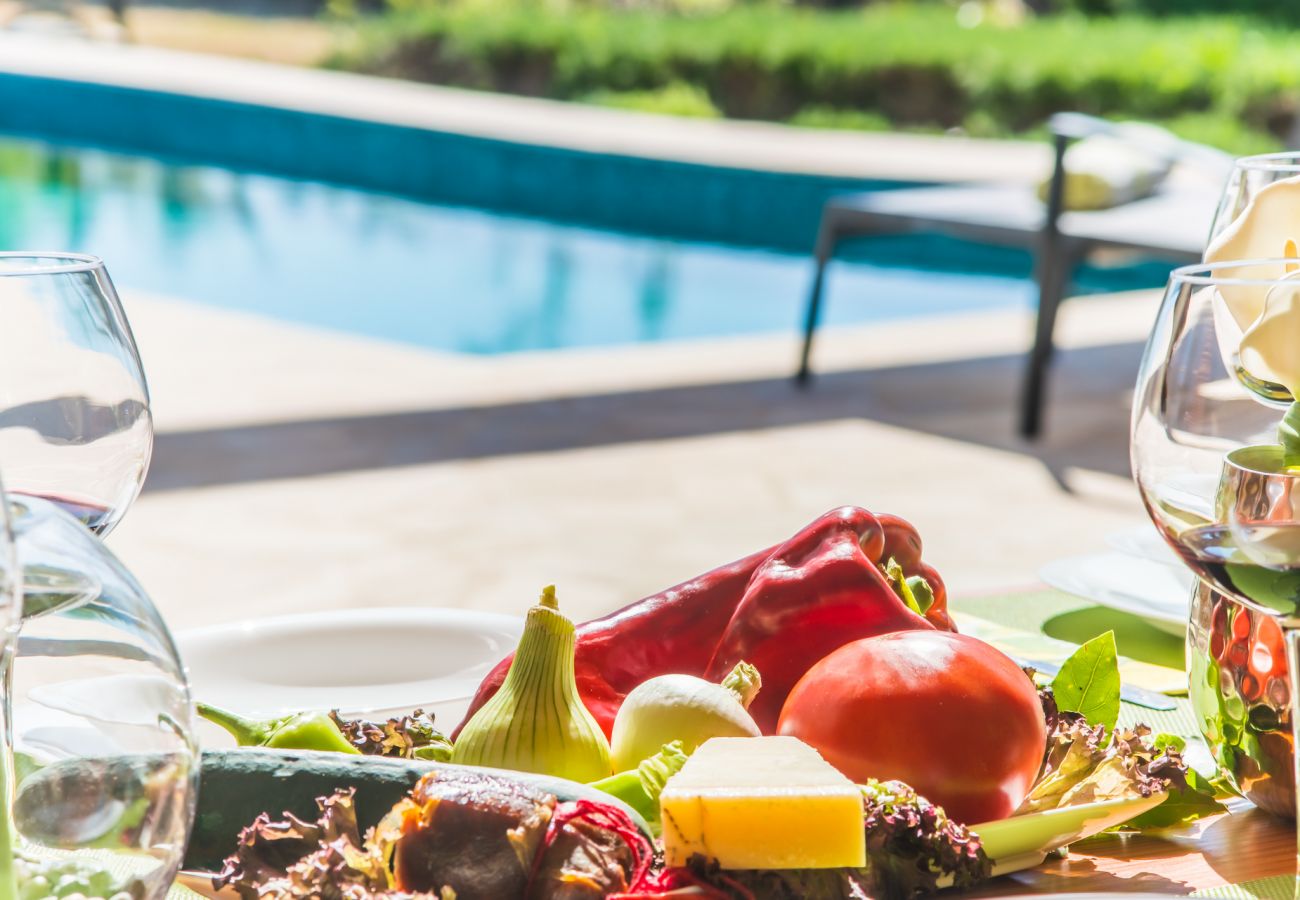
{"type": "Point", "coordinates": [1250, 175]}
{"type": "Point", "coordinates": [103, 740]}
{"type": "Point", "coordinates": [1204, 444]}
{"type": "Point", "coordinates": [75, 424]}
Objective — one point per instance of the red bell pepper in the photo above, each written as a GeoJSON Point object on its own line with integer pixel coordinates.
{"type": "Point", "coordinates": [673, 631]}
{"type": "Point", "coordinates": [820, 590]}
{"type": "Point", "coordinates": [782, 609]}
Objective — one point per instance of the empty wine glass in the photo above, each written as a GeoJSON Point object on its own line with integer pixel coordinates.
{"type": "Point", "coordinates": [75, 425]}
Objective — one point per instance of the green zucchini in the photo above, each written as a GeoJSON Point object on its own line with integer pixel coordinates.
{"type": "Point", "coordinates": [237, 785]}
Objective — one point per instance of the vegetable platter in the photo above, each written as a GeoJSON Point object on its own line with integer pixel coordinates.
{"type": "Point", "coordinates": [802, 723]}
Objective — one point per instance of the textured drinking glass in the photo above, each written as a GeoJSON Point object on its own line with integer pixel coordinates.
{"type": "Point", "coordinates": [105, 761]}
{"type": "Point", "coordinates": [75, 425]}
{"type": "Point", "coordinates": [1206, 459]}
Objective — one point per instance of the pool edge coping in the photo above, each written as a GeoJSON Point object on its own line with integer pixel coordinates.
{"type": "Point", "coordinates": [732, 144]}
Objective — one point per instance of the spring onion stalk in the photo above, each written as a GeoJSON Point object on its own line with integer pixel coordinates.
{"type": "Point", "coordinates": [537, 721]}
{"type": "Point", "coordinates": [639, 788]}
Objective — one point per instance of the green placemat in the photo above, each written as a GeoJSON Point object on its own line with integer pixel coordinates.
{"type": "Point", "coordinates": [1072, 619]}
{"type": "Point", "coordinates": [1279, 887]}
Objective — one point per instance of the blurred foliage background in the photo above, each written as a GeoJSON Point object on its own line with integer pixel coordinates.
{"type": "Point", "coordinates": [988, 69]}
{"type": "Point", "coordinates": [1223, 72]}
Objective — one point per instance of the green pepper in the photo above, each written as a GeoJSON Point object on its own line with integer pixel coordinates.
{"type": "Point", "coordinates": [639, 788]}
{"type": "Point", "coordinates": [299, 731]}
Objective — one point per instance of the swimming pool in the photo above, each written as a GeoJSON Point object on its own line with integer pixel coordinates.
{"type": "Point", "coordinates": [440, 277]}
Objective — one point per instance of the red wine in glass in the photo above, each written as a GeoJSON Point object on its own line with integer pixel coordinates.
{"type": "Point", "coordinates": [1267, 573]}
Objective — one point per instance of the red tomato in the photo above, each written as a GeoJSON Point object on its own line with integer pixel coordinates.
{"type": "Point", "coordinates": [946, 713]}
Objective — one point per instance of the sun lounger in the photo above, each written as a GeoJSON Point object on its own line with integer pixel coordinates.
{"type": "Point", "coordinates": [1171, 224]}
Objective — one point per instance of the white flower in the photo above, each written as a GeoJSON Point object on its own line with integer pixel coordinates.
{"type": "Point", "coordinates": [1267, 314]}
{"type": "Point", "coordinates": [1270, 348]}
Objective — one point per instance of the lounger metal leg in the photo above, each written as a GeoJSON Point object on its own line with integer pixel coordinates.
{"type": "Point", "coordinates": [1055, 266]}
{"type": "Point", "coordinates": [827, 238]}
{"type": "Point", "coordinates": [1056, 271]}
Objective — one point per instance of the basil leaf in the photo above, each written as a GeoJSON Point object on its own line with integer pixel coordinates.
{"type": "Point", "coordinates": [1088, 682]}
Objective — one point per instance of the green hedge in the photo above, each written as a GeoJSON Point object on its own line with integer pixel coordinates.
{"type": "Point", "coordinates": [910, 66]}
{"type": "Point", "coordinates": [1284, 11]}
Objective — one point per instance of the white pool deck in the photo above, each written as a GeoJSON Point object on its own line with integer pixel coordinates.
{"type": "Point", "coordinates": [301, 470]}
{"type": "Point", "coordinates": [297, 470]}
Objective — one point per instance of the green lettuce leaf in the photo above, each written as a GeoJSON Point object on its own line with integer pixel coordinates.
{"type": "Point", "coordinates": [1186, 802]}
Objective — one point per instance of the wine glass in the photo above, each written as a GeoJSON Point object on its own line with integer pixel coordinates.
{"type": "Point", "coordinates": [75, 425]}
{"type": "Point", "coordinates": [11, 599]}
{"type": "Point", "coordinates": [1204, 445]}
{"type": "Point", "coordinates": [101, 792]}
{"type": "Point", "coordinates": [1250, 176]}
{"type": "Point", "coordinates": [1215, 479]}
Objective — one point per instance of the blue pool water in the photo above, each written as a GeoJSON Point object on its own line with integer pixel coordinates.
{"type": "Point", "coordinates": [439, 277]}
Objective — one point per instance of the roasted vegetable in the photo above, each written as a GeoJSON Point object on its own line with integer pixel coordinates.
{"type": "Point", "coordinates": [824, 588]}
{"type": "Point", "coordinates": [477, 834]}
{"type": "Point", "coordinates": [299, 731]}
{"type": "Point", "coordinates": [468, 835]}
{"type": "Point", "coordinates": [405, 737]}
{"type": "Point", "coordinates": [238, 785]}
{"type": "Point", "coordinates": [686, 709]}
{"type": "Point", "coordinates": [672, 631]}
{"type": "Point", "coordinates": [536, 722]}
{"type": "Point", "coordinates": [781, 609]}
{"type": "Point", "coordinates": [640, 787]}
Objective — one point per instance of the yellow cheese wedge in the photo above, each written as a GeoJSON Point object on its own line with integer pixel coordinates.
{"type": "Point", "coordinates": [762, 803]}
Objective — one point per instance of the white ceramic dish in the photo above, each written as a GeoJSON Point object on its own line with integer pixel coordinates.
{"type": "Point", "coordinates": [1144, 542]}
{"type": "Point", "coordinates": [371, 661]}
{"type": "Point", "coordinates": [1155, 591]}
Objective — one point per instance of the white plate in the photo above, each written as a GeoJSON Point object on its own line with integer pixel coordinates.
{"type": "Point", "coordinates": [1156, 592]}
{"type": "Point", "coordinates": [358, 661]}
{"type": "Point", "coordinates": [1143, 542]}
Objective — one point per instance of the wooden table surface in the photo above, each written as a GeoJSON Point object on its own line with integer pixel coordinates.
{"type": "Point", "coordinates": [1243, 845]}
